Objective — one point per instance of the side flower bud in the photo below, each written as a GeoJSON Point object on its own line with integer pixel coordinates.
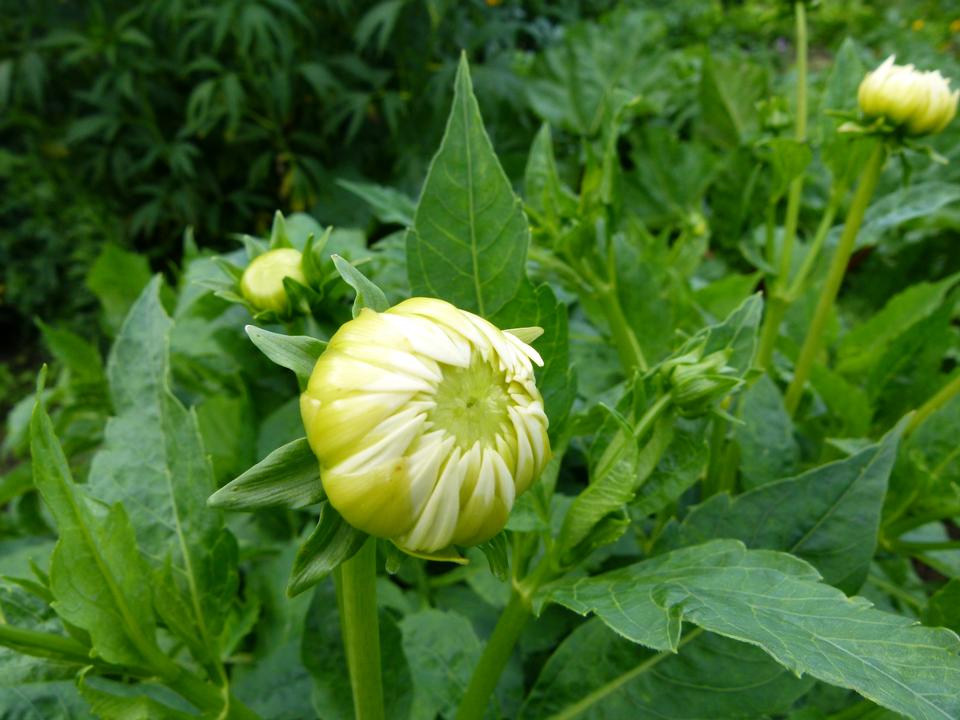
{"type": "Point", "coordinates": [427, 424]}
{"type": "Point", "coordinates": [262, 281]}
{"type": "Point", "coordinates": [696, 383]}
{"type": "Point", "coordinates": [920, 102]}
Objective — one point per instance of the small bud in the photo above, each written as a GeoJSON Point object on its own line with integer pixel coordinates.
{"type": "Point", "coordinates": [919, 101]}
{"type": "Point", "coordinates": [427, 424]}
{"type": "Point", "coordinates": [262, 281]}
{"type": "Point", "coordinates": [696, 383]}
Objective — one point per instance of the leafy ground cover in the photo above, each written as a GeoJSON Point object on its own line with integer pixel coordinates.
{"type": "Point", "coordinates": [746, 291]}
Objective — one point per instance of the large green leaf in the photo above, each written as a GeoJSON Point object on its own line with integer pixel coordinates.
{"type": "Point", "coordinates": [828, 516]}
{"type": "Point", "coordinates": [768, 449]}
{"type": "Point", "coordinates": [602, 675]}
{"type": "Point", "coordinates": [469, 240]}
{"type": "Point", "coordinates": [154, 463]}
{"type": "Point", "coordinates": [729, 91]}
{"type": "Point", "coordinates": [777, 602]}
{"type": "Point", "coordinates": [97, 576]}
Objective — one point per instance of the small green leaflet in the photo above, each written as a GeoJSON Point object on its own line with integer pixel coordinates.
{"type": "Point", "coordinates": [469, 239]}
{"type": "Point", "coordinates": [777, 602]}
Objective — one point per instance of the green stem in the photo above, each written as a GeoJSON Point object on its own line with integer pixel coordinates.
{"type": "Point", "coordinates": [356, 582]}
{"type": "Point", "coordinates": [41, 644]}
{"type": "Point", "coordinates": [838, 267]}
{"type": "Point", "coordinates": [943, 396]}
{"type": "Point", "coordinates": [495, 656]}
{"type": "Point", "coordinates": [813, 253]}
{"type": "Point", "coordinates": [899, 527]}
{"type": "Point", "coordinates": [800, 134]}
{"type": "Point", "coordinates": [611, 687]}
{"type": "Point", "coordinates": [628, 347]}
{"type": "Point", "coordinates": [776, 308]}
{"type": "Point", "coordinates": [894, 591]}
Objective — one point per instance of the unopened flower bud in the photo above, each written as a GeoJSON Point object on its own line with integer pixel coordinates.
{"type": "Point", "coordinates": [696, 383]}
{"type": "Point", "coordinates": [919, 101]}
{"type": "Point", "coordinates": [427, 424]}
{"type": "Point", "coordinates": [262, 281]}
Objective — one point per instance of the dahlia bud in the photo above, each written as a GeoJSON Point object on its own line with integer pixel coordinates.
{"type": "Point", "coordinates": [262, 281]}
{"type": "Point", "coordinates": [919, 101]}
{"type": "Point", "coordinates": [427, 424]}
{"type": "Point", "coordinates": [696, 383]}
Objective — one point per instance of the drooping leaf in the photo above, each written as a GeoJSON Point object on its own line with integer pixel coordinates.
{"type": "Point", "coordinates": [469, 240]}
{"type": "Point", "coordinates": [287, 477]}
{"type": "Point", "coordinates": [601, 675]}
{"type": "Point", "coordinates": [776, 602]}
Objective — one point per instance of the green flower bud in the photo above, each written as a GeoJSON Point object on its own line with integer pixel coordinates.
{"type": "Point", "coordinates": [427, 424]}
{"type": "Point", "coordinates": [696, 383]}
{"type": "Point", "coordinates": [262, 281]}
{"type": "Point", "coordinates": [919, 101]}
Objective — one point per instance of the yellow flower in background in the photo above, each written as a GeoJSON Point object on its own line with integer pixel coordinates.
{"type": "Point", "coordinates": [919, 101]}
{"type": "Point", "coordinates": [262, 281]}
{"type": "Point", "coordinates": [427, 424]}
{"type": "Point", "coordinates": [955, 26]}
{"type": "Point", "coordinates": [918, 25]}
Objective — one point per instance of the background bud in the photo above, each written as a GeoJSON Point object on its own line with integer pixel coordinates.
{"type": "Point", "coordinates": [262, 281]}
{"type": "Point", "coordinates": [427, 424]}
{"type": "Point", "coordinates": [696, 383]}
{"type": "Point", "coordinates": [919, 101]}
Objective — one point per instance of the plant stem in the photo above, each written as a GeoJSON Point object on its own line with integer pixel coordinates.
{"type": "Point", "coordinates": [611, 687]}
{"type": "Point", "coordinates": [816, 245]}
{"type": "Point", "coordinates": [899, 527]}
{"type": "Point", "coordinates": [497, 652]}
{"type": "Point", "coordinates": [943, 396]}
{"type": "Point", "coordinates": [838, 267]}
{"type": "Point", "coordinates": [776, 308]}
{"type": "Point", "coordinates": [628, 347]}
{"type": "Point", "coordinates": [356, 582]}
{"type": "Point", "coordinates": [41, 644]}
{"type": "Point", "coordinates": [919, 547]}
{"type": "Point", "coordinates": [800, 134]}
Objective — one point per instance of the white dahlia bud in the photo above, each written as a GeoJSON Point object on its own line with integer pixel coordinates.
{"type": "Point", "coordinates": [427, 424]}
{"type": "Point", "coordinates": [262, 281]}
{"type": "Point", "coordinates": [919, 101]}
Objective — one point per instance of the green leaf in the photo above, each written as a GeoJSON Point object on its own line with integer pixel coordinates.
{"type": "Point", "coordinates": [828, 516]}
{"type": "Point", "coordinates": [332, 542]}
{"type": "Point", "coordinates": [469, 240]}
{"type": "Point", "coordinates": [729, 91]}
{"type": "Point", "coordinates": [116, 278]}
{"type": "Point", "coordinates": [78, 355]}
{"type": "Point", "coordinates": [287, 477]}
{"type": "Point", "coordinates": [776, 602]}
{"type": "Point", "coordinates": [542, 188]}
{"type": "Point", "coordinates": [125, 705]}
{"type": "Point", "coordinates": [679, 467]}
{"type": "Point", "coordinates": [389, 206]}
{"type": "Point", "coordinates": [865, 343]}
{"type": "Point", "coordinates": [496, 551]}
{"type": "Point", "coordinates": [943, 608]}
{"type": "Point", "coordinates": [154, 463]}
{"type": "Point", "coordinates": [601, 674]}
{"type": "Point", "coordinates": [723, 296]}
{"type": "Point", "coordinates": [917, 200]}
{"type": "Point", "coordinates": [768, 449]}
{"type": "Point", "coordinates": [97, 575]}
{"type": "Point", "coordinates": [298, 353]}
{"type": "Point", "coordinates": [442, 650]}
{"type": "Point", "coordinates": [228, 428]}
{"type": "Point", "coordinates": [368, 294]}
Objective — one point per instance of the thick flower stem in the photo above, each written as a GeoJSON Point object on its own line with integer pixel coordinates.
{"type": "Point", "coordinates": [356, 582]}
{"type": "Point", "coordinates": [943, 396]}
{"type": "Point", "coordinates": [838, 267]}
{"type": "Point", "coordinates": [497, 652]}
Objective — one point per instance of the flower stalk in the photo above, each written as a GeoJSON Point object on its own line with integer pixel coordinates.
{"type": "Point", "coordinates": [838, 267]}
{"type": "Point", "coordinates": [356, 582]}
{"type": "Point", "coordinates": [941, 398]}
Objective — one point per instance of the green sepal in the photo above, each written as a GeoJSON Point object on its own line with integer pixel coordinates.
{"type": "Point", "coordinates": [299, 296]}
{"type": "Point", "coordinates": [229, 269]}
{"type": "Point", "coordinates": [368, 294]}
{"type": "Point", "coordinates": [495, 550]}
{"type": "Point", "coordinates": [310, 264]}
{"type": "Point", "coordinates": [279, 237]}
{"type": "Point", "coordinates": [288, 477]}
{"type": "Point", "coordinates": [254, 246]}
{"type": "Point", "coordinates": [298, 353]}
{"type": "Point", "coordinates": [333, 542]}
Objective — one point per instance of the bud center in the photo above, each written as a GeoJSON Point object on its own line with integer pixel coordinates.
{"type": "Point", "coordinates": [471, 403]}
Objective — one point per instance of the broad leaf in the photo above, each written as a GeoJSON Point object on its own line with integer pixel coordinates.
{"type": "Point", "coordinates": [154, 463]}
{"type": "Point", "coordinates": [601, 675]}
{"type": "Point", "coordinates": [469, 240]}
{"type": "Point", "coordinates": [775, 601]}
{"type": "Point", "coordinates": [828, 516]}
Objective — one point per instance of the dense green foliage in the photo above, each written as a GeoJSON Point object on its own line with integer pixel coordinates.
{"type": "Point", "coordinates": [619, 175]}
